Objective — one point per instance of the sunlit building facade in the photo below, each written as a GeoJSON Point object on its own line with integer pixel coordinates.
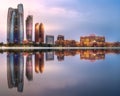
{"type": "Point", "coordinates": [39, 33]}
{"type": "Point", "coordinates": [15, 25]}
{"type": "Point", "coordinates": [92, 41]}
{"type": "Point", "coordinates": [29, 28]}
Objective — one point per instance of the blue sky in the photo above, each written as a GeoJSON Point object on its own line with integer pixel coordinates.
{"type": "Point", "coordinates": [72, 18]}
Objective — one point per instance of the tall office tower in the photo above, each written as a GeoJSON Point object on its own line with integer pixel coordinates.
{"type": "Point", "coordinates": [10, 27]}
{"type": "Point", "coordinates": [39, 33]}
{"type": "Point", "coordinates": [15, 25]}
{"type": "Point", "coordinates": [29, 68]}
{"type": "Point", "coordinates": [15, 70]}
{"type": "Point", "coordinates": [29, 27]}
{"type": "Point", "coordinates": [39, 62]}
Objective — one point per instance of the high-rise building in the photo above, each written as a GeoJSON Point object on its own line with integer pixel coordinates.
{"type": "Point", "coordinates": [15, 25]}
{"type": "Point", "coordinates": [49, 39]}
{"type": "Point", "coordinates": [39, 33]}
{"type": "Point", "coordinates": [29, 28]}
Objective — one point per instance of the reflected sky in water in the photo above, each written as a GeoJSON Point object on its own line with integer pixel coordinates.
{"type": "Point", "coordinates": [60, 73]}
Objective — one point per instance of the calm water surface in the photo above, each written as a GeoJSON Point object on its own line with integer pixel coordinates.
{"type": "Point", "coordinates": [60, 73]}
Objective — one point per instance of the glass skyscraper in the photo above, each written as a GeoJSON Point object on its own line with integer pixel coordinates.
{"type": "Point", "coordinates": [29, 28]}
{"type": "Point", "coordinates": [39, 33]}
{"type": "Point", "coordinates": [15, 25]}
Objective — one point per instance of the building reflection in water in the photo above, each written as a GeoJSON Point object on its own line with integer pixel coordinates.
{"type": "Point", "coordinates": [60, 55]}
{"type": "Point", "coordinates": [92, 55]}
{"type": "Point", "coordinates": [29, 67]}
{"type": "Point", "coordinates": [15, 71]}
{"type": "Point", "coordinates": [49, 56]}
{"type": "Point", "coordinates": [15, 63]}
{"type": "Point", "coordinates": [39, 62]}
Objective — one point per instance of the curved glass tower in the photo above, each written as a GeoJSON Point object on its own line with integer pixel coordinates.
{"type": "Point", "coordinates": [15, 25]}
{"type": "Point", "coordinates": [39, 33]}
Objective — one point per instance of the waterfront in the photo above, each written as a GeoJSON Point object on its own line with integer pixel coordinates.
{"type": "Point", "coordinates": [60, 72]}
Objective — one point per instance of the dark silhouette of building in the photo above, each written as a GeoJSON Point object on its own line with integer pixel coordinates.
{"type": "Point", "coordinates": [39, 33]}
{"type": "Point", "coordinates": [29, 67]}
{"type": "Point", "coordinates": [39, 62]}
{"type": "Point", "coordinates": [15, 25]}
{"type": "Point", "coordinates": [60, 37]}
{"type": "Point", "coordinates": [29, 28]}
{"type": "Point", "coordinates": [15, 71]}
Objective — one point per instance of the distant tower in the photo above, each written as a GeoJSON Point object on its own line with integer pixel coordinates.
{"type": "Point", "coordinates": [39, 33]}
{"type": "Point", "coordinates": [29, 27]}
{"type": "Point", "coordinates": [15, 25]}
{"type": "Point", "coordinates": [21, 22]}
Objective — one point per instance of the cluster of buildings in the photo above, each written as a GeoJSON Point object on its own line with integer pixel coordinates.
{"type": "Point", "coordinates": [15, 33]}
{"type": "Point", "coordinates": [15, 28]}
{"type": "Point", "coordinates": [87, 41]}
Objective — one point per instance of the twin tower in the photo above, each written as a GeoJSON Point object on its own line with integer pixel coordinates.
{"type": "Point", "coordinates": [15, 27]}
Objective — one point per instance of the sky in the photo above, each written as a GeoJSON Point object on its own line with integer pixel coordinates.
{"type": "Point", "coordinates": [71, 18]}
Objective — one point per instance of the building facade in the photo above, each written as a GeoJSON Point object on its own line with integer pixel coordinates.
{"type": "Point", "coordinates": [15, 25]}
{"type": "Point", "coordinates": [60, 37]}
{"type": "Point", "coordinates": [39, 33]}
{"type": "Point", "coordinates": [29, 28]}
{"type": "Point", "coordinates": [92, 41]}
{"type": "Point", "coordinates": [49, 39]}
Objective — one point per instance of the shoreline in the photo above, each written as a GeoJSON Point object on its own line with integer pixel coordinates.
{"type": "Point", "coordinates": [40, 48]}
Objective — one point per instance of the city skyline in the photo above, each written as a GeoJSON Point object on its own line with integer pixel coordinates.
{"type": "Point", "coordinates": [65, 17]}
